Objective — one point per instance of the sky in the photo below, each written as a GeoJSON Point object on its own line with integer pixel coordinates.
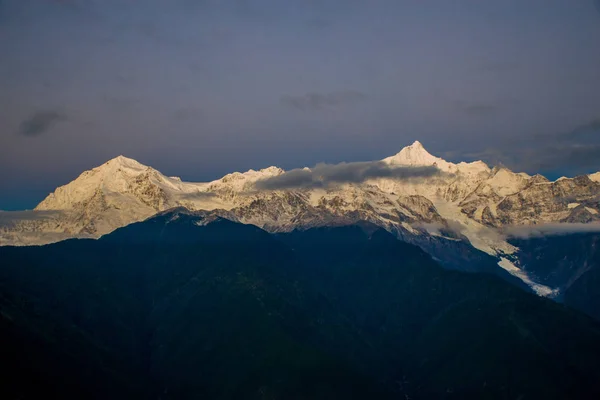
{"type": "Point", "coordinates": [201, 88]}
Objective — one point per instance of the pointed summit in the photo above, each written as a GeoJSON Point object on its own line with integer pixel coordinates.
{"type": "Point", "coordinates": [416, 155]}
{"type": "Point", "coordinates": [117, 175]}
{"type": "Point", "coordinates": [122, 161]}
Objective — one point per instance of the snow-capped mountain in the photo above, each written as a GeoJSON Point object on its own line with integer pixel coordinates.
{"type": "Point", "coordinates": [466, 202]}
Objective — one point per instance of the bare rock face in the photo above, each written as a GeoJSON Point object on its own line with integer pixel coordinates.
{"type": "Point", "coordinates": [421, 208]}
{"type": "Point", "coordinates": [488, 218]}
{"type": "Point", "coordinates": [582, 215]}
{"type": "Point", "coordinates": [547, 202]}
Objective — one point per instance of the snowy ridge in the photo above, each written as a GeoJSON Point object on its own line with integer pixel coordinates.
{"type": "Point", "coordinates": [469, 202]}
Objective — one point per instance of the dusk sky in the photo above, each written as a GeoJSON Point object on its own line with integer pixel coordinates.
{"type": "Point", "coordinates": [200, 88]}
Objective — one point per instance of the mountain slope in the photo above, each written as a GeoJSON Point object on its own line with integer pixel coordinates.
{"type": "Point", "coordinates": [466, 203]}
{"type": "Point", "coordinates": [188, 305]}
{"type": "Point", "coordinates": [179, 318]}
{"type": "Point", "coordinates": [570, 262]}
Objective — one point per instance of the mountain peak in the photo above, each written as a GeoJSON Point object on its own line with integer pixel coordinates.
{"type": "Point", "coordinates": [123, 161]}
{"type": "Point", "coordinates": [417, 145]}
{"type": "Point", "coordinates": [114, 176]}
{"type": "Point", "coordinates": [415, 155]}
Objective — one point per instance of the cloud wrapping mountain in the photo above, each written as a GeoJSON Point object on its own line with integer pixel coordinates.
{"type": "Point", "coordinates": [325, 175]}
{"type": "Point", "coordinates": [551, 229]}
{"type": "Point", "coordinates": [464, 208]}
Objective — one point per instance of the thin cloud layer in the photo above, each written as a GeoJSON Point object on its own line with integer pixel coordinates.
{"type": "Point", "coordinates": [197, 196]}
{"type": "Point", "coordinates": [8, 218]}
{"type": "Point", "coordinates": [556, 229]}
{"type": "Point", "coordinates": [475, 109]}
{"type": "Point", "coordinates": [324, 175]}
{"type": "Point", "coordinates": [572, 152]}
{"type": "Point", "coordinates": [320, 101]}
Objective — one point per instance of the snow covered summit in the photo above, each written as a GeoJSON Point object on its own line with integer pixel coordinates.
{"type": "Point", "coordinates": [416, 155]}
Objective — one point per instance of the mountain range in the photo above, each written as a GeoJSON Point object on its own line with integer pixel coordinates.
{"type": "Point", "coordinates": [463, 214]}
{"type": "Point", "coordinates": [188, 305]}
{"type": "Point", "coordinates": [408, 277]}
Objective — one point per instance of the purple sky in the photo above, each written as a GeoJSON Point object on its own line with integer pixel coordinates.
{"type": "Point", "coordinates": [200, 88]}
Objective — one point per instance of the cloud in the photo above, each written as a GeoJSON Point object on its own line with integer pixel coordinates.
{"type": "Point", "coordinates": [187, 113]}
{"type": "Point", "coordinates": [324, 175]}
{"type": "Point", "coordinates": [572, 152]}
{"type": "Point", "coordinates": [320, 101]}
{"type": "Point", "coordinates": [592, 125]}
{"type": "Point", "coordinates": [588, 132]}
{"type": "Point", "coordinates": [515, 231]}
{"type": "Point", "coordinates": [570, 157]}
{"type": "Point", "coordinates": [583, 133]}
{"type": "Point", "coordinates": [120, 103]}
{"type": "Point", "coordinates": [10, 217]}
{"type": "Point", "coordinates": [475, 109]}
{"type": "Point", "coordinates": [438, 228]}
{"type": "Point", "coordinates": [500, 66]}
{"type": "Point", "coordinates": [479, 109]}
{"type": "Point", "coordinates": [527, 231]}
{"type": "Point", "coordinates": [456, 229]}
{"type": "Point", "coordinates": [319, 23]}
{"type": "Point", "coordinates": [577, 150]}
{"type": "Point", "coordinates": [196, 196]}
{"type": "Point", "coordinates": [40, 122]}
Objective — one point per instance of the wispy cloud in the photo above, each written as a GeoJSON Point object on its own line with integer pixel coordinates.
{"type": "Point", "coordinates": [187, 113]}
{"type": "Point", "coordinates": [481, 108]}
{"type": "Point", "coordinates": [514, 231]}
{"type": "Point", "coordinates": [584, 133]}
{"type": "Point", "coordinates": [475, 109]}
{"type": "Point", "coordinates": [555, 229]}
{"type": "Point", "coordinates": [576, 151]}
{"type": "Point", "coordinates": [10, 217]}
{"type": "Point", "coordinates": [320, 101]}
{"type": "Point", "coordinates": [497, 66]}
{"type": "Point", "coordinates": [196, 196]}
{"type": "Point", "coordinates": [569, 157]}
{"type": "Point", "coordinates": [325, 175]}
{"type": "Point", "coordinates": [40, 122]}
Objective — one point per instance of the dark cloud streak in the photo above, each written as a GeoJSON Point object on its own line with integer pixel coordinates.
{"type": "Point", "coordinates": [498, 67]}
{"type": "Point", "coordinates": [40, 122]}
{"type": "Point", "coordinates": [576, 151]}
{"type": "Point", "coordinates": [554, 229]}
{"type": "Point", "coordinates": [568, 157]}
{"type": "Point", "coordinates": [10, 217]}
{"type": "Point", "coordinates": [479, 109]}
{"type": "Point", "coordinates": [321, 101]}
{"type": "Point", "coordinates": [325, 175]}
